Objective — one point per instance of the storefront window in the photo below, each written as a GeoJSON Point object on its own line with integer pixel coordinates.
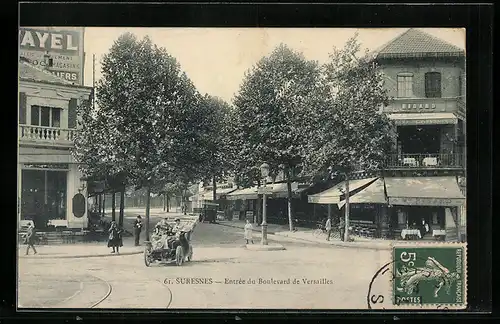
{"type": "Point", "coordinates": [43, 195]}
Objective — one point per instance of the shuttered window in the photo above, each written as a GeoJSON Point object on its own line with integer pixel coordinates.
{"type": "Point", "coordinates": [433, 85]}
{"type": "Point", "coordinates": [22, 108]}
{"type": "Point", "coordinates": [72, 113]}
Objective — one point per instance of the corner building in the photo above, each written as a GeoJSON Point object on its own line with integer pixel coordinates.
{"type": "Point", "coordinates": [48, 176]}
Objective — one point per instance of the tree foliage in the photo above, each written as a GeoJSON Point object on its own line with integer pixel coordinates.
{"type": "Point", "coordinates": [270, 110]}
{"type": "Point", "coordinates": [350, 132]}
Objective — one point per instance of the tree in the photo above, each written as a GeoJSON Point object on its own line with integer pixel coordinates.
{"type": "Point", "coordinates": [149, 110]}
{"type": "Point", "coordinates": [215, 140]}
{"type": "Point", "coordinates": [351, 133]}
{"type": "Point", "coordinates": [271, 106]}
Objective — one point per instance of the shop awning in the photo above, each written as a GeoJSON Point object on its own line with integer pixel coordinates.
{"type": "Point", "coordinates": [374, 193]}
{"type": "Point", "coordinates": [424, 119]}
{"type": "Point", "coordinates": [47, 159]}
{"type": "Point", "coordinates": [243, 194]}
{"type": "Point", "coordinates": [332, 195]}
{"type": "Point", "coordinates": [209, 194]}
{"type": "Point", "coordinates": [424, 191]}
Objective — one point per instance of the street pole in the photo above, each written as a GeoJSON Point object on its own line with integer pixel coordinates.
{"type": "Point", "coordinates": [264, 215]}
{"type": "Point", "coordinates": [346, 233]}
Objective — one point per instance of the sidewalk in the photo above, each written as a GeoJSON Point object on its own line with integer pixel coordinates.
{"type": "Point", "coordinates": [306, 234]}
{"type": "Point", "coordinates": [79, 250]}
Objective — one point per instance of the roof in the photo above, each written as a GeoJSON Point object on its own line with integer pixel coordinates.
{"type": "Point", "coordinates": [416, 43]}
{"type": "Point", "coordinates": [29, 72]}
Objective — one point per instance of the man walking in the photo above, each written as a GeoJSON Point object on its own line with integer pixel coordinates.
{"type": "Point", "coordinates": [328, 228]}
{"type": "Point", "coordinates": [137, 229]}
{"type": "Point", "coordinates": [30, 238]}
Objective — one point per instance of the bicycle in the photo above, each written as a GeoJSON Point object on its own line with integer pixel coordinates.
{"type": "Point", "coordinates": [319, 231]}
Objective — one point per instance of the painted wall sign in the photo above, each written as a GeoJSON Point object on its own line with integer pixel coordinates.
{"type": "Point", "coordinates": [426, 201]}
{"type": "Point", "coordinates": [64, 45]}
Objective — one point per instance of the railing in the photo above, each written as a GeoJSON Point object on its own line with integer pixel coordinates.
{"type": "Point", "coordinates": [424, 161]}
{"type": "Point", "coordinates": [42, 133]}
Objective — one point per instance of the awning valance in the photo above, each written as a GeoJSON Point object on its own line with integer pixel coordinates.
{"type": "Point", "coordinates": [47, 158]}
{"type": "Point", "coordinates": [424, 191]}
{"type": "Point", "coordinates": [374, 193]}
{"type": "Point", "coordinates": [243, 194]}
{"type": "Point", "coordinates": [332, 195]}
{"type": "Point", "coordinates": [424, 119]}
{"type": "Point", "coordinates": [278, 190]}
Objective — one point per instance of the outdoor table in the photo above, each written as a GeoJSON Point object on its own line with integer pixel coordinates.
{"type": "Point", "coordinates": [410, 233]}
{"type": "Point", "coordinates": [439, 234]}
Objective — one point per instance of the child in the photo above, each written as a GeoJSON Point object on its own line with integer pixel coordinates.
{"type": "Point", "coordinates": [248, 231]}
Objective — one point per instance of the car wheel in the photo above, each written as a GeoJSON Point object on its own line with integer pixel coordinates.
{"type": "Point", "coordinates": [147, 256]}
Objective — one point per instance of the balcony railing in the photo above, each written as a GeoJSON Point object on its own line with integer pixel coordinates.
{"type": "Point", "coordinates": [46, 134]}
{"type": "Point", "coordinates": [430, 161]}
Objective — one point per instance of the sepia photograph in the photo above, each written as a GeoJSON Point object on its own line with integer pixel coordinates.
{"type": "Point", "coordinates": [241, 168]}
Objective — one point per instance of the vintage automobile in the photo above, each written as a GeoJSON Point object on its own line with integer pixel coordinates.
{"type": "Point", "coordinates": [167, 248]}
{"type": "Point", "coordinates": [208, 212]}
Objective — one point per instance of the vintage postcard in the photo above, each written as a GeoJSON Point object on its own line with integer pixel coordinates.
{"type": "Point", "coordinates": [242, 168]}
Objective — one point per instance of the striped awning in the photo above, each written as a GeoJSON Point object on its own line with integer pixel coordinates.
{"type": "Point", "coordinates": [374, 193]}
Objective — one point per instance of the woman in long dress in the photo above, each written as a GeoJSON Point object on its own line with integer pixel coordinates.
{"type": "Point", "coordinates": [248, 231]}
{"type": "Point", "coordinates": [115, 237]}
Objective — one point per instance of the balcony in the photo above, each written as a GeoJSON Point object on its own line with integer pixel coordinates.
{"type": "Point", "coordinates": [424, 161]}
{"type": "Point", "coordinates": [433, 105]}
{"type": "Point", "coordinates": [46, 135]}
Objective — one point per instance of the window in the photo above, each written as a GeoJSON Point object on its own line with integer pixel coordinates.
{"type": "Point", "coordinates": [405, 85]}
{"type": "Point", "coordinates": [45, 116]}
{"type": "Point", "coordinates": [433, 85]}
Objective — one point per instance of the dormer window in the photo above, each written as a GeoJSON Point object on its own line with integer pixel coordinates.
{"type": "Point", "coordinates": [405, 85]}
{"type": "Point", "coordinates": [433, 85]}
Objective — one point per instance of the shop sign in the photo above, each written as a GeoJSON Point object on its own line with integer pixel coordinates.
{"type": "Point", "coordinates": [63, 45]}
{"type": "Point", "coordinates": [78, 205]}
{"type": "Point", "coordinates": [417, 121]}
{"type": "Point", "coordinates": [416, 106]}
{"type": "Point", "coordinates": [426, 201]}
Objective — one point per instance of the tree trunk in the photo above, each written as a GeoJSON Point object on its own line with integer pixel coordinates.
{"type": "Point", "coordinates": [214, 189]}
{"type": "Point", "coordinates": [113, 206]}
{"type": "Point", "coordinates": [99, 201]}
{"type": "Point", "coordinates": [103, 204]}
{"type": "Point", "coordinates": [148, 202]}
{"type": "Point", "coordinates": [184, 204]}
{"type": "Point", "coordinates": [164, 201]}
{"type": "Point", "coordinates": [289, 199]}
{"type": "Point", "coordinates": [122, 207]}
{"type": "Point", "coordinates": [346, 233]}
{"type": "Point", "coordinates": [168, 203]}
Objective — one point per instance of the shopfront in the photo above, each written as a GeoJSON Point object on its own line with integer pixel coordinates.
{"type": "Point", "coordinates": [424, 207]}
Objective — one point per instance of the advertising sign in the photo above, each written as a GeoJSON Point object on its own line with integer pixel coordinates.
{"type": "Point", "coordinates": [63, 45]}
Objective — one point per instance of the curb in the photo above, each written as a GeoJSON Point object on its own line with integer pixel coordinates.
{"type": "Point", "coordinates": [78, 256]}
{"type": "Point", "coordinates": [377, 248]}
{"type": "Point", "coordinates": [269, 247]}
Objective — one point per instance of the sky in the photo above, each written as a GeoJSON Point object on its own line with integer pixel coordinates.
{"type": "Point", "coordinates": [216, 59]}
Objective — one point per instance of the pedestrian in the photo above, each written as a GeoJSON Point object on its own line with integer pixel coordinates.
{"type": "Point", "coordinates": [115, 237]}
{"type": "Point", "coordinates": [342, 228]}
{"type": "Point", "coordinates": [328, 228]}
{"type": "Point", "coordinates": [30, 238]}
{"type": "Point", "coordinates": [248, 231]}
{"type": "Point", "coordinates": [137, 229]}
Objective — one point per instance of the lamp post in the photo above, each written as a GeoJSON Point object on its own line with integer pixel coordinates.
{"type": "Point", "coordinates": [264, 171]}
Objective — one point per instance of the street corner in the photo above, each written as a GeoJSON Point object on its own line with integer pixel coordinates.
{"type": "Point", "coordinates": [268, 247]}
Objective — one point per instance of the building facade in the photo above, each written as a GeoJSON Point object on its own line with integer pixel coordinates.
{"type": "Point", "coordinates": [48, 176]}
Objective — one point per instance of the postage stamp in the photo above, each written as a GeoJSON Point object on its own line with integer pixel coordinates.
{"type": "Point", "coordinates": [429, 275]}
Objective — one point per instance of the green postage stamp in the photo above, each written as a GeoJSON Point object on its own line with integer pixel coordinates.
{"type": "Point", "coordinates": [429, 276]}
